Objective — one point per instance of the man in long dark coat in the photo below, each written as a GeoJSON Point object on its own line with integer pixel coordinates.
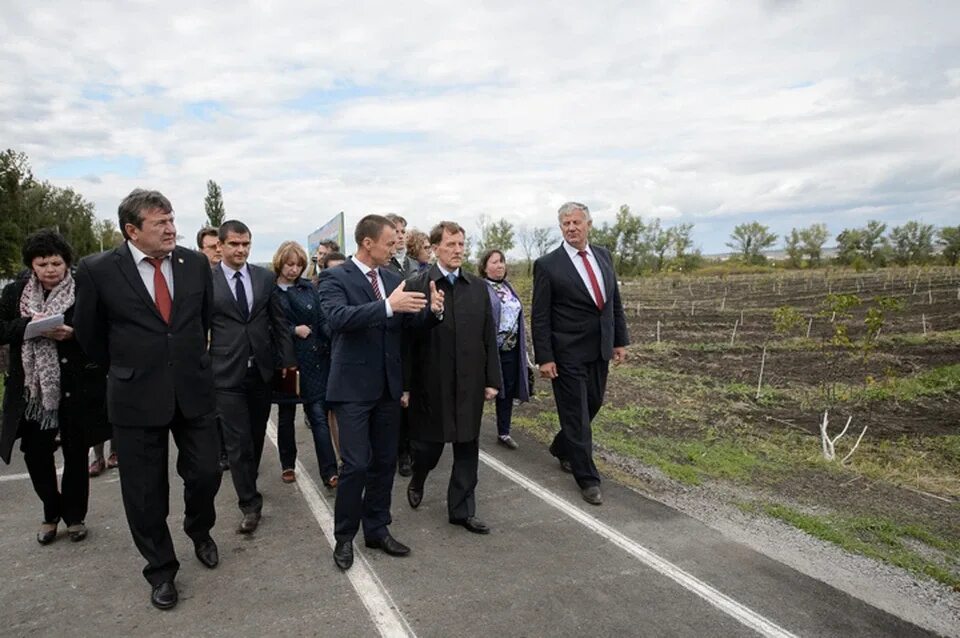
{"type": "Point", "coordinates": [450, 371]}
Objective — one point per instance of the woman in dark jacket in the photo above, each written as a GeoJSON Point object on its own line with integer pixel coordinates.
{"type": "Point", "coordinates": [311, 340]}
{"type": "Point", "coordinates": [51, 386]}
{"type": "Point", "coordinates": [511, 341]}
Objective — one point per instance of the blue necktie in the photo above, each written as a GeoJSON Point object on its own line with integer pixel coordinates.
{"type": "Point", "coordinates": [242, 297]}
{"type": "Point", "coordinates": [452, 278]}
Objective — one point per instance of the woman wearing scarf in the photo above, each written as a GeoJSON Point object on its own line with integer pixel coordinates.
{"type": "Point", "coordinates": [51, 386]}
{"type": "Point", "coordinates": [511, 341]}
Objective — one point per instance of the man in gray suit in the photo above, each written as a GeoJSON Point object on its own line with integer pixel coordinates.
{"type": "Point", "coordinates": [249, 339]}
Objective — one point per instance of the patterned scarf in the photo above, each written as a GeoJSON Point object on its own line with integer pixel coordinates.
{"type": "Point", "coordinates": [41, 369]}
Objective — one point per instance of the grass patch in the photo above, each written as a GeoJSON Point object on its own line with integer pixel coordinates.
{"type": "Point", "coordinates": [879, 539]}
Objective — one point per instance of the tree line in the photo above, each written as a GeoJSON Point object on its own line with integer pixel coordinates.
{"type": "Point", "coordinates": [638, 245]}
{"type": "Point", "coordinates": [28, 204]}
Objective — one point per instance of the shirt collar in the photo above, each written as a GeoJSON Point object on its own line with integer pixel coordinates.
{"type": "Point", "coordinates": [231, 271]}
{"type": "Point", "coordinates": [573, 252]}
{"type": "Point", "coordinates": [139, 255]}
{"type": "Point", "coordinates": [445, 272]}
{"type": "Point", "coordinates": [362, 266]}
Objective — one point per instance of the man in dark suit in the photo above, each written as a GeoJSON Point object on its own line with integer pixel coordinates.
{"type": "Point", "coordinates": [401, 264]}
{"type": "Point", "coordinates": [367, 308]}
{"type": "Point", "coordinates": [143, 311]}
{"type": "Point", "coordinates": [578, 326]}
{"type": "Point", "coordinates": [249, 338]}
{"type": "Point", "coordinates": [451, 370]}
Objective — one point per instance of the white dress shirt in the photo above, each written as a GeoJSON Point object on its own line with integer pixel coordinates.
{"type": "Point", "coordinates": [229, 272]}
{"type": "Point", "coordinates": [445, 272]}
{"type": "Point", "coordinates": [146, 269]}
{"type": "Point", "coordinates": [365, 269]}
{"type": "Point", "coordinates": [582, 270]}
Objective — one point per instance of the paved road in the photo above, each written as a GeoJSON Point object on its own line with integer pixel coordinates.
{"type": "Point", "coordinates": [553, 566]}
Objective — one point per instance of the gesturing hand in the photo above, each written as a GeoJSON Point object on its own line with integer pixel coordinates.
{"type": "Point", "coordinates": [402, 300]}
{"type": "Point", "coordinates": [436, 299]}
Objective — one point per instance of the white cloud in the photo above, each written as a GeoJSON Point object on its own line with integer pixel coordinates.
{"type": "Point", "coordinates": [711, 113]}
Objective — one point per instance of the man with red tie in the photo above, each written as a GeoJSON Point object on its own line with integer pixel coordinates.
{"type": "Point", "coordinates": [143, 312]}
{"type": "Point", "coordinates": [578, 326]}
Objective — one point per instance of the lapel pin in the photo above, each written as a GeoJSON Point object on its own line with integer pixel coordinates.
{"type": "Point", "coordinates": [180, 260]}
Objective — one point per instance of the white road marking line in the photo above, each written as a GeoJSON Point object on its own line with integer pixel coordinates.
{"type": "Point", "coordinates": [721, 601]}
{"type": "Point", "coordinates": [382, 609]}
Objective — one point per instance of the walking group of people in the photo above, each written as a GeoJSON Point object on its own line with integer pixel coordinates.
{"type": "Point", "coordinates": [392, 355]}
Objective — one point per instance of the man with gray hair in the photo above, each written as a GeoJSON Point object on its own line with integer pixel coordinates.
{"type": "Point", "coordinates": [578, 326]}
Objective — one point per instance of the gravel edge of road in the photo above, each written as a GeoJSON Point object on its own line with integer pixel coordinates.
{"type": "Point", "coordinates": [925, 603]}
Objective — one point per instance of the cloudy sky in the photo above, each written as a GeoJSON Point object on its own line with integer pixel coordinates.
{"type": "Point", "coordinates": [715, 113]}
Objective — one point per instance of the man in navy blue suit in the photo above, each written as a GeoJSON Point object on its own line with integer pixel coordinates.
{"type": "Point", "coordinates": [367, 309]}
{"type": "Point", "coordinates": [578, 326]}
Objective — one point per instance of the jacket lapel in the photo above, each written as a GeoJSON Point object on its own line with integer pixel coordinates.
{"type": "Point", "coordinates": [262, 283]}
{"type": "Point", "coordinates": [124, 259]}
{"type": "Point", "coordinates": [179, 282]}
{"type": "Point", "coordinates": [360, 279]}
{"type": "Point", "coordinates": [574, 275]}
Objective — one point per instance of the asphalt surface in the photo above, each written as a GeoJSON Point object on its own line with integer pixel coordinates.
{"type": "Point", "coordinates": [553, 566]}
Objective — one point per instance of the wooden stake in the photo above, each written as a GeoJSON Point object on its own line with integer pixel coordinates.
{"type": "Point", "coordinates": [734, 335]}
{"type": "Point", "coordinates": [741, 317]}
{"type": "Point", "coordinates": [658, 331]}
{"type": "Point", "coordinates": [809, 326]}
{"type": "Point", "coordinates": [930, 296]}
{"type": "Point", "coordinates": [923, 318]}
{"type": "Point", "coordinates": [763, 360]}
{"type": "Point", "coordinates": [723, 303]}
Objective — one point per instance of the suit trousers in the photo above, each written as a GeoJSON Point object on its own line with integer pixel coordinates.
{"type": "Point", "coordinates": [578, 392]}
{"type": "Point", "coordinates": [69, 502]}
{"type": "Point", "coordinates": [144, 485]}
{"type": "Point", "coordinates": [243, 415]}
{"type": "Point", "coordinates": [461, 502]}
{"type": "Point", "coordinates": [368, 448]}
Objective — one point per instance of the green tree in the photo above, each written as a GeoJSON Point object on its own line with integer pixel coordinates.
{"type": "Point", "coordinates": [498, 234]}
{"type": "Point", "coordinates": [912, 243]}
{"type": "Point", "coordinates": [865, 244]}
{"type": "Point", "coordinates": [213, 204]}
{"type": "Point", "coordinates": [750, 240]}
{"type": "Point", "coordinates": [813, 238]}
{"type": "Point", "coordinates": [793, 244]}
{"type": "Point", "coordinates": [107, 234]}
{"type": "Point", "coordinates": [949, 238]}
{"type": "Point", "coordinates": [27, 205]}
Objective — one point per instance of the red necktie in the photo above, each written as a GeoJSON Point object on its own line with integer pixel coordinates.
{"type": "Point", "coordinates": [372, 274]}
{"type": "Point", "coordinates": [597, 295]}
{"type": "Point", "coordinates": [161, 293]}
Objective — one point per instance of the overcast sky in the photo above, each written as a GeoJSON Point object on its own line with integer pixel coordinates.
{"type": "Point", "coordinates": [714, 113]}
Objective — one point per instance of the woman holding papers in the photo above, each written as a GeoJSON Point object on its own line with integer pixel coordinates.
{"type": "Point", "coordinates": [52, 387]}
{"type": "Point", "coordinates": [311, 341]}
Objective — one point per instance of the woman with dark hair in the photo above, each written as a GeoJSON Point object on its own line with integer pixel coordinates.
{"type": "Point", "coordinates": [311, 341]}
{"type": "Point", "coordinates": [52, 387]}
{"type": "Point", "coordinates": [511, 341]}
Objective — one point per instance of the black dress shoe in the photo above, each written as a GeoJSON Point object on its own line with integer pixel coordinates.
{"type": "Point", "coordinates": [249, 523]}
{"type": "Point", "coordinates": [343, 555]}
{"type": "Point", "coordinates": [164, 595]}
{"type": "Point", "coordinates": [47, 534]}
{"type": "Point", "coordinates": [565, 466]}
{"type": "Point", "coordinates": [388, 544]}
{"type": "Point", "coordinates": [224, 463]}
{"type": "Point", "coordinates": [471, 524]}
{"type": "Point", "coordinates": [404, 465]}
{"type": "Point", "coordinates": [207, 552]}
{"type": "Point", "coordinates": [592, 495]}
{"type": "Point", "coordinates": [414, 495]}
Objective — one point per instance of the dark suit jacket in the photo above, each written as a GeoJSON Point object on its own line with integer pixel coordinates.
{"type": "Point", "coordinates": [263, 336]}
{"type": "Point", "coordinates": [565, 322]}
{"type": "Point", "coordinates": [365, 348]}
{"type": "Point", "coordinates": [152, 367]}
{"type": "Point", "coordinates": [448, 367]}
